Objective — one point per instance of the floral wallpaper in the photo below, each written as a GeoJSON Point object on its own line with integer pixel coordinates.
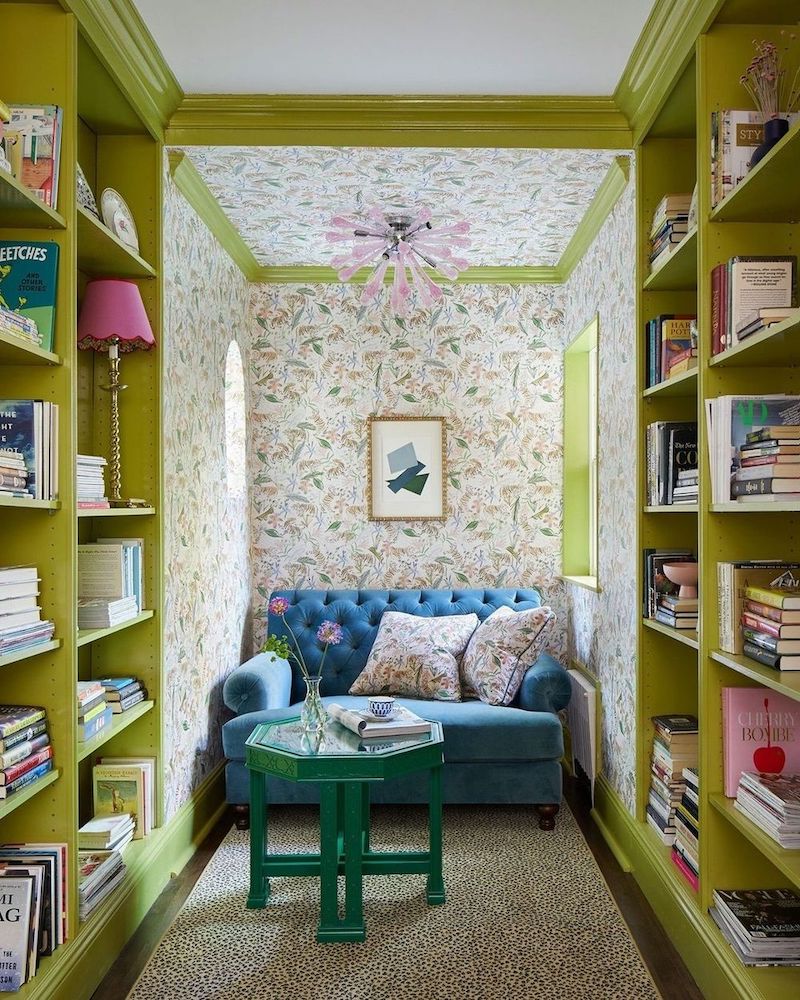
{"type": "Point", "coordinates": [602, 627]}
{"type": "Point", "coordinates": [523, 204]}
{"type": "Point", "coordinates": [488, 359]}
{"type": "Point", "coordinates": [206, 533]}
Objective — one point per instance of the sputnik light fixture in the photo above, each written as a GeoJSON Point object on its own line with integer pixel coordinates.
{"type": "Point", "coordinates": [405, 241]}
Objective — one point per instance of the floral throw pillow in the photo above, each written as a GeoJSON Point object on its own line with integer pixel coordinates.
{"type": "Point", "coordinates": [501, 650]}
{"type": "Point", "coordinates": [416, 657]}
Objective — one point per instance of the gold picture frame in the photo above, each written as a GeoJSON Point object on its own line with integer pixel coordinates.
{"type": "Point", "coordinates": [406, 468]}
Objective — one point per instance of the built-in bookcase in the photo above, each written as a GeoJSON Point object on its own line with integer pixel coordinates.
{"type": "Point", "coordinates": [761, 215]}
{"type": "Point", "coordinates": [103, 132]}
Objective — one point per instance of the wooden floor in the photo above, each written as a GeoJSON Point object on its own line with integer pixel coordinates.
{"type": "Point", "coordinates": [668, 971]}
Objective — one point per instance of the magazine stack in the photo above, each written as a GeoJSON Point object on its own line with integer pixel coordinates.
{"type": "Point", "coordinates": [761, 925]}
{"type": "Point", "coordinates": [772, 802]}
{"type": "Point", "coordinates": [99, 873]}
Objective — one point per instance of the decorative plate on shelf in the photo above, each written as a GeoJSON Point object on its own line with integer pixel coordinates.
{"type": "Point", "coordinates": [85, 194]}
{"type": "Point", "coordinates": [117, 217]}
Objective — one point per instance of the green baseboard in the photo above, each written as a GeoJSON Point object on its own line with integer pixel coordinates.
{"type": "Point", "coordinates": [77, 967]}
{"type": "Point", "coordinates": [706, 954]}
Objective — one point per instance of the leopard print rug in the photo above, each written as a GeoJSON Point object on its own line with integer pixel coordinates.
{"type": "Point", "coordinates": [528, 914]}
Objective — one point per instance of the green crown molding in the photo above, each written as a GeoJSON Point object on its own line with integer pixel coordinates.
{"type": "Point", "coordinates": [312, 275]}
{"type": "Point", "coordinates": [122, 42]}
{"type": "Point", "coordinates": [605, 198]}
{"type": "Point", "coordinates": [196, 192]}
{"type": "Point", "coordinates": [389, 120]}
{"type": "Point", "coordinates": [660, 55]}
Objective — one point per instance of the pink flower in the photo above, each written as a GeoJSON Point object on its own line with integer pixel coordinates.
{"type": "Point", "coordinates": [278, 606]}
{"type": "Point", "coordinates": [329, 632]}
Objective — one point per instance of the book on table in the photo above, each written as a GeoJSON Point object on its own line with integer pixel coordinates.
{"type": "Point", "coordinates": [404, 722]}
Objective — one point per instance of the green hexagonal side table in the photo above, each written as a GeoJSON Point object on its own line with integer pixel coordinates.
{"type": "Point", "coordinates": [344, 765]}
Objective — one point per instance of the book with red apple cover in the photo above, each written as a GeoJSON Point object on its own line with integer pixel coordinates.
{"type": "Point", "coordinates": [760, 733]}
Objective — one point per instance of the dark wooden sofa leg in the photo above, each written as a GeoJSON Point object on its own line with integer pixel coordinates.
{"type": "Point", "coordinates": [241, 816]}
{"type": "Point", "coordinates": [547, 816]}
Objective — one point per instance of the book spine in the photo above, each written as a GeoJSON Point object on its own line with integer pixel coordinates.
{"type": "Point", "coordinates": [14, 726]}
{"type": "Point", "coordinates": [760, 625]}
{"type": "Point", "coordinates": [26, 779]}
{"type": "Point", "coordinates": [94, 726]}
{"type": "Point", "coordinates": [764, 610]}
{"type": "Point", "coordinates": [764, 656]}
{"type": "Point", "coordinates": [10, 774]}
{"type": "Point", "coordinates": [766, 596]}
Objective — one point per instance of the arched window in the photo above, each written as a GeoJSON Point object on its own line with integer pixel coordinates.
{"type": "Point", "coordinates": [235, 451]}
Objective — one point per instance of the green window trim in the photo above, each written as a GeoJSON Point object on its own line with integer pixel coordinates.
{"type": "Point", "coordinates": [580, 531]}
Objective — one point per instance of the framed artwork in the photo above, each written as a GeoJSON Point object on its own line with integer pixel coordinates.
{"type": "Point", "coordinates": [406, 474]}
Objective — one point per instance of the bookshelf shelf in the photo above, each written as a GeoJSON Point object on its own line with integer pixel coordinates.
{"type": "Point", "coordinates": [777, 346]}
{"type": "Point", "coordinates": [683, 385]}
{"type": "Point", "coordinates": [785, 681]}
{"type": "Point", "coordinates": [15, 351]}
{"type": "Point", "coordinates": [686, 636]}
{"type": "Point", "coordinates": [784, 860]}
{"type": "Point", "coordinates": [25, 503]}
{"type": "Point", "coordinates": [679, 270]}
{"type": "Point", "coordinates": [87, 635]}
{"type": "Point", "coordinates": [100, 252]}
{"type": "Point", "coordinates": [765, 507]}
{"type": "Point", "coordinates": [21, 209]}
{"type": "Point", "coordinates": [137, 855]}
{"type": "Point", "coordinates": [26, 654]}
{"type": "Point", "coordinates": [17, 799]}
{"type": "Point", "coordinates": [118, 723]}
{"type": "Point", "coordinates": [673, 508]}
{"type": "Point", "coordinates": [117, 512]}
{"type": "Point", "coordinates": [769, 193]}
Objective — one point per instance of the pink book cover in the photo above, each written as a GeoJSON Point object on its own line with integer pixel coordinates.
{"type": "Point", "coordinates": [761, 733]}
{"type": "Point", "coordinates": [685, 870]}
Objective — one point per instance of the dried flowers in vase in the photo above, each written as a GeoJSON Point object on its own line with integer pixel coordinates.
{"type": "Point", "coordinates": [773, 82]}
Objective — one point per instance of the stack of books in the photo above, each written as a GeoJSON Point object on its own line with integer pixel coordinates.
{"type": "Point", "coordinates": [733, 579]}
{"type": "Point", "coordinates": [771, 626]}
{"type": "Point", "coordinates": [670, 347]}
{"type": "Point", "coordinates": [25, 745]}
{"type": "Point", "coordinates": [110, 582]}
{"type": "Point", "coordinates": [669, 227]}
{"type": "Point", "coordinates": [32, 145]}
{"type": "Point", "coordinates": [21, 624]}
{"type": "Point", "coordinates": [671, 462]}
{"type": "Point", "coordinates": [772, 802]}
{"type": "Point", "coordinates": [106, 833]}
{"type": "Point", "coordinates": [766, 318]}
{"type": "Point", "coordinates": [34, 887]}
{"type": "Point", "coordinates": [122, 693]}
{"type": "Point", "coordinates": [686, 849]}
{"type": "Point", "coordinates": [94, 712]}
{"type": "Point", "coordinates": [91, 482]}
{"type": "Point", "coordinates": [17, 325]}
{"type": "Point", "coordinates": [29, 428]}
{"type": "Point", "coordinates": [741, 288]}
{"type": "Point", "coordinates": [674, 748]}
{"type": "Point", "coordinates": [126, 785]}
{"type": "Point", "coordinates": [100, 613]}
{"type": "Point", "coordinates": [769, 463]}
{"type": "Point", "coordinates": [761, 925]}
{"type": "Point", "coordinates": [13, 474]}
{"type": "Point", "coordinates": [677, 612]}
{"type": "Point", "coordinates": [99, 873]}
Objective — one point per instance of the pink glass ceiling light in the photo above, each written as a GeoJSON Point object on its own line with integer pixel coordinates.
{"type": "Point", "coordinates": [408, 244]}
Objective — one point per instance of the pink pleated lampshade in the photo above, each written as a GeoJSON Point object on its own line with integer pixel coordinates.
{"type": "Point", "coordinates": [113, 307]}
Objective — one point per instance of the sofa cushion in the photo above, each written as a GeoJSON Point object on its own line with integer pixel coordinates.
{"type": "Point", "coordinates": [473, 731]}
{"type": "Point", "coordinates": [417, 657]}
{"type": "Point", "coordinates": [501, 650]}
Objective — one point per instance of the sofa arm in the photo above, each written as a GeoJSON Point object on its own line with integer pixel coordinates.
{"type": "Point", "coordinates": [545, 687]}
{"type": "Point", "coordinates": [262, 682]}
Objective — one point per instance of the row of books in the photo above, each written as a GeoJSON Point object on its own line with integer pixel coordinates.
{"type": "Point", "coordinates": [754, 447]}
{"type": "Point", "coordinates": [671, 467]}
{"type": "Point", "coordinates": [662, 599]}
{"type": "Point", "coordinates": [29, 270]}
{"type": "Point", "coordinates": [748, 293]}
{"type": "Point", "coordinates": [24, 747]}
{"type": "Point", "coordinates": [735, 135]}
{"type": "Point", "coordinates": [686, 846]}
{"type": "Point", "coordinates": [741, 590]}
{"type": "Point", "coordinates": [670, 347]}
{"type": "Point", "coordinates": [32, 146]}
{"type": "Point", "coordinates": [99, 701]}
{"type": "Point", "coordinates": [29, 448]}
{"type": "Point", "coordinates": [21, 624]}
{"type": "Point", "coordinates": [91, 482]}
{"type": "Point", "coordinates": [34, 887]}
{"type": "Point", "coordinates": [669, 227]}
{"type": "Point", "coordinates": [675, 748]}
{"type": "Point", "coordinates": [761, 925]}
{"type": "Point", "coordinates": [110, 581]}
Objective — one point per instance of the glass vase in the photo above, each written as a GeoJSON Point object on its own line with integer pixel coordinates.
{"type": "Point", "coordinates": [312, 713]}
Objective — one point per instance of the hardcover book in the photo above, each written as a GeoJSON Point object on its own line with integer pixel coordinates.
{"type": "Point", "coordinates": [13, 718]}
{"type": "Point", "coordinates": [29, 282]}
{"type": "Point", "coordinates": [33, 146]}
{"type": "Point", "coordinates": [15, 910]}
{"type": "Point", "coordinates": [761, 733]}
{"type": "Point", "coordinates": [119, 788]}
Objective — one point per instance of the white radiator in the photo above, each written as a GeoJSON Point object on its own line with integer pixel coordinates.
{"type": "Point", "coordinates": [582, 722]}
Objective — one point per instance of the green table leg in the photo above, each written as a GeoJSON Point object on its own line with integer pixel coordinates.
{"type": "Point", "coordinates": [331, 926]}
{"type": "Point", "coordinates": [353, 857]}
{"type": "Point", "coordinates": [329, 862]}
{"type": "Point", "coordinates": [365, 816]}
{"type": "Point", "coordinates": [435, 880]}
{"type": "Point", "coordinates": [259, 883]}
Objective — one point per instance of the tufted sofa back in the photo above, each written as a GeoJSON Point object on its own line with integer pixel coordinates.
{"type": "Point", "coordinates": [359, 613]}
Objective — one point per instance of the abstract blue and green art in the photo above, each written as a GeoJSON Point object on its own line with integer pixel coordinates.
{"type": "Point", "coordinates": [407, 470]}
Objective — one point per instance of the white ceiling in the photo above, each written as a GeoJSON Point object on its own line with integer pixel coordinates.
{"type": "Point", "coordinates": [523, 205]}
{"type": "Point", "coordinates": [563, 47]}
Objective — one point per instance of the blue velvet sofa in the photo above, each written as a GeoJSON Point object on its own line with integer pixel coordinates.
{"type": "Point", "coordinates": [493, 754]}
